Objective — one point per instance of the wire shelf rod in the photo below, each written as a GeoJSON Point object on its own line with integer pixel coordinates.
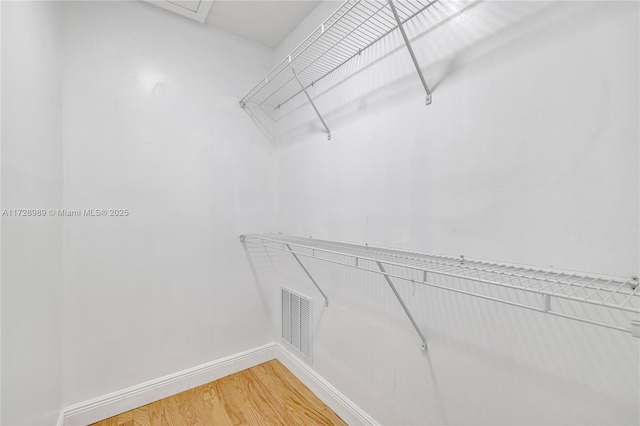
{"type": "Point", "coordinates": [467, 265]}
{"type": "Point", "coordinates": [448, 260]}
{"type": "Point", "coordinates": [598, 289]}
{"type": "Point", "coordinates": [358, 24]}
{"type": "Point", "coordinates": [531, 280]}
{"type": "Point", "coordinates": [494, 266]}
{"type": "Point", "coordinates": [468, 293]}
{"type": "Point", "coordinates": [562, 296]}
{"type": "Point", "coordinates": [611, 294]}
{"type": "Point", "coordinates": [282, 64]}
{"type": "Point", "coordinates": [400, 5]}
{"type": "Point", "coordinates": [378, 18]}
{"type": "Point", "coordinates": [633, 293]}
{"type": "Point", "coordinates": [528, 278]}
{"type": "Point", "coordinates": [292, 57]}
{"type": "Point", "coordinates": [631, 284]}
{"type": "Point", "coordinates": [358, 52]}
{"type": "Point", "coordinates": [303, 70]}
{"type": "Point", "coordinates": [556, 282]}
{"type": "Point", "coordinates": [489, 273]}
{"type": "Point", "coordinates": [584, 286]}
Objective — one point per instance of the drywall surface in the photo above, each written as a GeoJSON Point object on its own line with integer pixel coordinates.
{"type": "Point", "coordinates": [153, 127]}
{"type": "Point", "coordinates": [528, 154]}
{"type": "Point", "coordinates": [32, 278]}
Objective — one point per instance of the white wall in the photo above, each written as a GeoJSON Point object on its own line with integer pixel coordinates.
{"type": "Point", "coordinates": [528, 154]}
{"type": "Point", "coordinates": [152, 124]}
{"type": "Point", "coordinates": [32, 278]}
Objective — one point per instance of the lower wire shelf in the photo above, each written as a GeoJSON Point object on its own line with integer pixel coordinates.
{"type": "Point", "coordinates": [605, 301]}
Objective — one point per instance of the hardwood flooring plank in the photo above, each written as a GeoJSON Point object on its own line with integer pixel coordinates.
{"type": "Point", "coordinates": [234, 401]}
{"type": "Point", "coordinates": [267, 394]}
{"type": "Point", "coordinates": [141, 416]}
{"type": "Point", "coordinates": [125, 419]}
{"type": "Point", "coordinates": [263, 406]}
{"type": "Point", "coordinates": [111, 421]}
{"type": "Point", "coordinates": [156, 414]}
{"type": "Point", "coordinates": [272, 408]}
{"type": "Point", "coordinates": [178, 410]}
{"type": "Point", "coordinates": [301, 404]}
{"type": "Point", "coordinates": [227, 404]}
{"type": "Point", "coordinates": [207, 407]}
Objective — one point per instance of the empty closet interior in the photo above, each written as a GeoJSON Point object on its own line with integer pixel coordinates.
{"type": "Point", "coordinates": [427, 211]}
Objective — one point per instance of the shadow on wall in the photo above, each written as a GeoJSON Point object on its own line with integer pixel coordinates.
{"type": "Point", "coordinates": [263, 121]}
{"type": "Point", "coordinates": [471, 341]}
{"type": "Point", "coordinates": [459, 36]}
{"type": "Point", "coordinates": [266, 116]}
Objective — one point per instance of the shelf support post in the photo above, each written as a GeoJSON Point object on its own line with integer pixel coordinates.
{"type": "Point", "coordinates": [311, 101]}
{"type": "Point", "coordinates": [326, 299]}
{"type": "Point", "coordinates": [406, 310]}
{"type": "Point", "coordinates": [546, 302]}
{"type": "Point", "coordinates": [413, 56]}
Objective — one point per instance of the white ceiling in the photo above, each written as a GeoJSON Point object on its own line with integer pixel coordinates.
{"type": "Point", "coordinates": [264, 22]}
{"type": "Point", "coordinates": [192, 5]}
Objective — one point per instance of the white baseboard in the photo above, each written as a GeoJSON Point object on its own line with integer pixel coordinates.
{"type": "Point", "coordinates": [336, 400]}
{"type": "Point", "coordinates": [127, 399]}
{"type": "Point", "coordinates": [135, 396]}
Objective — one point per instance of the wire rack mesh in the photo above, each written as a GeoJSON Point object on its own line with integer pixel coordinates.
{"type": "Point", "coordinates": [610, 302]}
{"type": "Point", "coordinates": [355, 26]}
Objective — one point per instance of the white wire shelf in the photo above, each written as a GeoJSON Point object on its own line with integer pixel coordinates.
{"type": "Point", "coordinates": [355, 26]}
{"type": "Point", "coordinates": [605, 301]}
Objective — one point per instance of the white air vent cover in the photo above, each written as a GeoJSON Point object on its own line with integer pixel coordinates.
{"type": "Point", "coordinates": [296, 321]}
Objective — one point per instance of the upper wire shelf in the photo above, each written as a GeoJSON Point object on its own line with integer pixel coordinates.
{"type": "Point", "coordinates": [355, 26]}
{"type": "Point", "coordinates": [610, 302]}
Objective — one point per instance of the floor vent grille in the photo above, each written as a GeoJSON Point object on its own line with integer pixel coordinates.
{"type": "Point", "coordinates": [296, 321]}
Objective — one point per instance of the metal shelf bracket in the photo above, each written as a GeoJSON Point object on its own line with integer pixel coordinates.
{"type": "Point", "coordinates": [347, 33]}
{"type": "Point", "coordinates": [616, 294]}
{"type": "Point", "coordinates": [406, 310]}
{"type": "Point", "coordinates": [326, 299]}
{"type": "Point", "coordinates": [410, 49]}
{"type": "Point", "coordinates": [310, 100]}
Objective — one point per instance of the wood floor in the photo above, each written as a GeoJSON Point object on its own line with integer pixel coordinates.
{"type": "Point", "coordinates": [267, 394]}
